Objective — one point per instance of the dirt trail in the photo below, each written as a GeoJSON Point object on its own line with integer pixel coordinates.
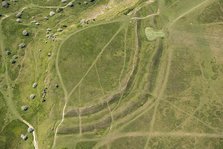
{"type": "Point", "coordinates": [163, 87]}
{"type": "Point", "coordinates": [134, 65]}
{"type": "Point", "coordinates": [51, 7]}
{"type": "Point", "coordinates": [168, 67]}
{"type": "Point", "coordinates": [9, 98]}
{"type": "Point", "coordinates": [103, 92]}
{"type": "Point", "coordinates": [156, 134]}
{"type": "Point", "coordinates": [165, 134]}
{"type": "Point", "coordinates": [95, 61]}
{"type": "Point", "coordinates": [67, 95]}
{"type": "Point", "coordinates": [191, 10]}
{"type": "Point", "coordinates": [146, 17]}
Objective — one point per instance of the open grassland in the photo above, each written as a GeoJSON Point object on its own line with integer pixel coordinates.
{"type": "Point", "coordinates": [81, 49]}
{"type": "Point", "coordinates": [103, 84]}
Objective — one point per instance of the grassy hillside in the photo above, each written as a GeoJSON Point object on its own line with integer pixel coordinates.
{"type": "Point", "coordinates": [111, 74]}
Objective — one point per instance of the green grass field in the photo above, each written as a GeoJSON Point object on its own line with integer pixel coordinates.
{"type": "Point", "coordinates": [112, 74]}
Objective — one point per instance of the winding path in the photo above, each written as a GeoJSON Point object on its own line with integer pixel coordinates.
{"type": "Point", "coordinates": [9, 98]}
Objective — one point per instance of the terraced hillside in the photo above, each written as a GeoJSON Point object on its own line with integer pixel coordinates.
{"type": "Point", "coordinates": [111, 74]}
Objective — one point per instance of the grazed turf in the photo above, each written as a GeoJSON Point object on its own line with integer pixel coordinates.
{"type": "Point", "coordinates": [80, 50]}
{"type": "Point", "coordinates": [108, 86]}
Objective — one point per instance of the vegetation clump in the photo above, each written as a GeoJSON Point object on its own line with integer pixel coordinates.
{"type": "Point", "coordinates": [153, 34]}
